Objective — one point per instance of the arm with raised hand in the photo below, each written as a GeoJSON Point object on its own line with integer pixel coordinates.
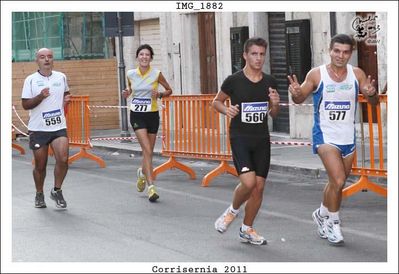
{"type": "Point", "coordinates": [301, 92]}
{"type": "Point", "coordinates": [367, 86]}
{"type": "Point", "coordinates": [35, 101]}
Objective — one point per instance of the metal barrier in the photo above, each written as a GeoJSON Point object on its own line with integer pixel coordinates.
{"type": "Point", "coordinates": [193, 129]}
{"type": "Point", "coordinates": [78, 127]}
{"type": "Point", "coordinates": [376, 166]}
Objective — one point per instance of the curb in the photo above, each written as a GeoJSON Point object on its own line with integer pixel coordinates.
{"type": "Point", "coordinates": [310, 172]}
{"type": "Point", "coordinates": [316, 173]}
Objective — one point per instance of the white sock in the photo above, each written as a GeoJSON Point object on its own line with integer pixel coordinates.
{"type": "Point", "coordinates": [334, 216]}
{"type": "Point", "coordinates": [323, 210]}
{"type": "Point", "coordinates": [141, 174]}
{"type": "Point", "coordinates": [245, 227]}
{"type": "Point", "coordinates": [234, 211]}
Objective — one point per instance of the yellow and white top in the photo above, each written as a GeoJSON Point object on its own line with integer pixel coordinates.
{"type": "Point", "coordinates": [142, 86]}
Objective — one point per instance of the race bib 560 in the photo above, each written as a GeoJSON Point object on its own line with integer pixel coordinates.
{"type": "Point", "coordinates": [254, 112]}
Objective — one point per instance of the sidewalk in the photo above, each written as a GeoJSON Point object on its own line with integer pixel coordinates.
{"type": "Point", "coordinates": [285, 158]}
{"type": "Point", "coordinates": [295, 159]}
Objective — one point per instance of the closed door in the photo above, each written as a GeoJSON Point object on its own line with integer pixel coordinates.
{"type": "Point", "coordinates": [278, 66]}
{"type": "Point", "coordinates": [367, 61]}
{"type": "Point", "coordinates": [207, 52]}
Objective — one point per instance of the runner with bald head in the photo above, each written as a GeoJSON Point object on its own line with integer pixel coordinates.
{"type": "Point", "coordinates": [44, 94]}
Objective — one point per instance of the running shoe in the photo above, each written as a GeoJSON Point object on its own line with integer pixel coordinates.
{"type": "Point", "coordinates": [39, 200]}
{"type": "Point", "coordinates": [141, 181]}
{"type": "Point", "coordinates": [152, 193]}
{"type": "Point", "coordinates": [58, 198]}
{"type": "Point", "coordinates": [321, 223]}
{"type": "Point", "coordinates": [334, 234]}
{"type": "Point", "coordinates": [223, 222]}
{"type": "Point", "coordinates": [250, 236]}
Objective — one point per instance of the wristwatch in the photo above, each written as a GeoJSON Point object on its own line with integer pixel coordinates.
{"type": "Point", "coordinates": [160, 95]}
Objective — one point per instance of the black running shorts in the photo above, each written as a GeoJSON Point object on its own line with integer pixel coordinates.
{"type": "Point", "coordinates": [251, 153]}
{"type": "Point", "coordinates": [148, 120]}
{"type": "Point", "coordinates": [37, 139]}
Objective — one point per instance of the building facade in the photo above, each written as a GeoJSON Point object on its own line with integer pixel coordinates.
{"type": "Point", "coordinates": [197, 51]}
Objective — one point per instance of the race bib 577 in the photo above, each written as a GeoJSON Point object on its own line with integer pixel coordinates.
{"type": "Point", "coordinates": [337, 110]}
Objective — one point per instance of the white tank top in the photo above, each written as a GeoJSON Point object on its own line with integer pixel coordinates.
{"type": "Point", "coordinates": [335, 107]}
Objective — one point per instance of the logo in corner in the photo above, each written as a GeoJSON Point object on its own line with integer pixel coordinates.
{"type": "Point", "coordinates": [366, 29]}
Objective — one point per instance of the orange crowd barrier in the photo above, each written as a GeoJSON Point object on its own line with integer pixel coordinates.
{"type": "Point", "coordinates": [370, 159]}
{"type": "Point", "coordinates": [14, 145]}
{"type": "Point", "coordinates": [193, 129]}
{"type": "Point", "coordinates": [78, 127]}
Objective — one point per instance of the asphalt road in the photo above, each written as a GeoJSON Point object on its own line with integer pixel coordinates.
{"type": "Point", "coordinates": [107, 220]}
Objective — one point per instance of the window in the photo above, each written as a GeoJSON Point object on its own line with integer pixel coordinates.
{"type": "Point", "coordinates": [71, 35]}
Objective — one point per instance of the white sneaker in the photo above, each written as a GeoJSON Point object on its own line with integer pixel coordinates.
{"type": "Point", "coordinates": [223, 222]}
{"type": "Point", "coordinates": [141, 181]}
{"type": "Point", "coordinates": [334, 234]}
{"type": "Point", "coordinates": [252, 237]}
{"type": "Point", "coordinates": [321, 223]}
